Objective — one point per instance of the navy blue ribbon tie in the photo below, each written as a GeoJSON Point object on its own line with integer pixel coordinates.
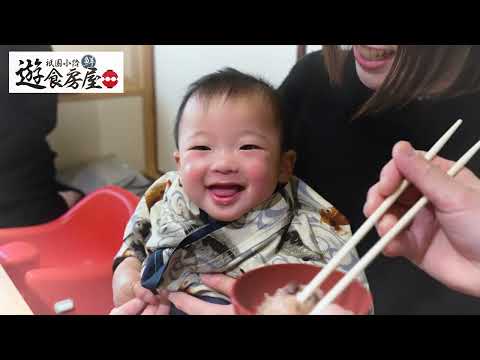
{"type": "Point", "coordinates": [154, 268]}
{"type": "Point", "coordinates": [153, 272]}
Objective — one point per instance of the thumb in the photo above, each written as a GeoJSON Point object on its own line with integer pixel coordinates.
{"type": "Point", "coordinates": [440, 189]}
{"type": "Point", "coordinates": [219, 282]}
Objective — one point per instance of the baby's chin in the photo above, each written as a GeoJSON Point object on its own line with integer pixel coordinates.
{"type": "Point", "coordinates": [226, 217]}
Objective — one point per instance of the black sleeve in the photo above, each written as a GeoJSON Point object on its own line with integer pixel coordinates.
{"type": "Point", "coordinates": [469, 133]}
{"type": "Point", "coordinates": [467, 108]}
{"type": "Point", "coordinates": [32, 115]}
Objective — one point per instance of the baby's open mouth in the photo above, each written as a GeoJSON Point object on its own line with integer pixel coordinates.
{"type": "Point", "coordinates": [225, 190]}
{"type": "Point", "coordinates": [225, 194]}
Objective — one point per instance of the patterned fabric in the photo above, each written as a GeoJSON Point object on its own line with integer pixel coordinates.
{"type": "Point", "coordinates": [176, 241]}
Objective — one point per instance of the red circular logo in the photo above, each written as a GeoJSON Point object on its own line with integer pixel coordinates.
{"type": "Point", "coordinates": [110, 78]}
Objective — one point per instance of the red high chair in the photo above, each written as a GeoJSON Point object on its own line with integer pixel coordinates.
{"type": "Point", "coordinates": [70, 257]}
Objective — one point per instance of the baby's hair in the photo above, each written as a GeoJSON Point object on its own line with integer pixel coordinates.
{"type": "Point", "coordinates": [230, 83]}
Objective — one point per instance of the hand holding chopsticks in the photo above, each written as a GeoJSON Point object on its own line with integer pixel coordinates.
{"type": "Point", "coordinates": [373, 219]}
{"type": "Point", "coordinates": [369, 224]}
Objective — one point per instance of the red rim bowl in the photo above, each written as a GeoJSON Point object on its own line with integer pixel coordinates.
{"type": "Point", "coordinates": [250, 289]}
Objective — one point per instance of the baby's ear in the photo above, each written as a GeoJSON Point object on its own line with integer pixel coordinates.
{"type": "Point", "coordinates": [287, 165]}
{"type": "Point", "coordinates": [176, 156]}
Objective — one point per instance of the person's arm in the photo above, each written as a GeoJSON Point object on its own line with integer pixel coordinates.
{"type": "Point", "coordinates": [127, 263]}
{"type": "Point", "coordinates": [443, 239]}
{"type": "Point", "coordinates": [126, 283]}
{"type": "Point", "coordinates": [129, 296]}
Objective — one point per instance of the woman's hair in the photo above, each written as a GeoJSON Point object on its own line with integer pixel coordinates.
{"type": "Point", "coordinates": [436, 71]}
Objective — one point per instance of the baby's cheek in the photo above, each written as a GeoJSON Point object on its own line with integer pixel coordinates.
{"type": "Point", "coordinates": [192, 174]}
{"type": "Point", "coordinates": [262, 172]}
{"type": "Point", "coordinates": [193, 165]}
{"type": "Point", "coordinates": [192, 170]}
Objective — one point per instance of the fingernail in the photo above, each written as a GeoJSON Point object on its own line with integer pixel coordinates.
{"type": "Point", "coordinates": [403, 148]}
{"type": "Point", "coordinates": [409, 151]}
{"type": "Point", "coordinates": [366, 207]}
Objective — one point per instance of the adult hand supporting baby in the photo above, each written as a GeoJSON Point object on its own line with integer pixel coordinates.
{"type": "Point", "coordinates": [194, 306]}
{"type": "Point", "coordinates": [130, 298]}
{"type": "Point", "coordinates": [137, 306]}
{"type": "Point", "coordinates": [126, 283]}
{"type": "Point", "coordinates": [156, 305]}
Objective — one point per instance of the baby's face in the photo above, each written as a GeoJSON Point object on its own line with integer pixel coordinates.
{"type": "Point", "coordinates": [229, 156]}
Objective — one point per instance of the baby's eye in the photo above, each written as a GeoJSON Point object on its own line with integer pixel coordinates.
{"type": "Point", "coordinates": [200, 148]}
{"type": "Point", "coordinates": [250, 147]}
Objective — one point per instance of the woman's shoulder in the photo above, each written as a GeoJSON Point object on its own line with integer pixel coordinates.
{"type": "Point", "coordinates": [313, 60]}
{"type": "Point", "coordinates": [308, 76]}
{"type": "Point", "coordinates": [311, 67]}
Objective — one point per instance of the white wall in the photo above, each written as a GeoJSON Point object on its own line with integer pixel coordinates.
{"type": "Point", "coordinates": [176, 66]}
{"type": "Point", "coordinates": [90, 129]}
{"type": "Point", "coordinates": [312, 48]}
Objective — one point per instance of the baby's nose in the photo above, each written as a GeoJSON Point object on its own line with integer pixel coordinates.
{"type": "Point", "coordinates": [225, 164]}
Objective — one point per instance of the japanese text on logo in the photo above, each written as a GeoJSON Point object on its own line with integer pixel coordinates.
{"type": "Point", "coordinates": [65, 72]}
